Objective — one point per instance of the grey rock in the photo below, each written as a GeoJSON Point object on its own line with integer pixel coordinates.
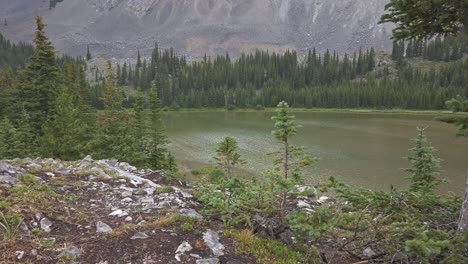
{"type": "Point", "coordinates": [190, 212]}
{"type": "Point", "coordinates": [102, 227]}
{"type": "Point", "coordinates": [303, 204]}
{"type": "Point", "coordinates": [323, 199]}
{"type": "Point", "coordinates": [368, 253]}
{"type": "Point", "coordinates": [119, 213]}
{"type": "Point", "coordinates": [88, 158]}
{"type": "Point", "coordinates": [9, 169]}
{"type": "Point", "coordinates": [211, 239]}
{"type": "Point", "coordinates": [46, 224]}
{"type": "Point", "coordinates": [147, 200]}
{"type": "Point", "coordinates": [207, 261]}
{"type": "Point", "coordinates": [70, 253]}
{"type": "Point", "coordinates": [63, 171]}
{"type": "Point", "coordinates": [99, 172]}
{"type": "Point", "coordinates": [139, 235]}
{"type": "Point", "coordinates": [184, 247]}
{"type": "Point", "coordinates": [9, 180]}
{"type": "Point", "coordinates": [34, 252]}
{"type": "Point", "coordinates": [113, 163]}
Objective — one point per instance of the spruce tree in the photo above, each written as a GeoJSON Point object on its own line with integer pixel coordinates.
{"type": "Point", "coordinates": [40, 82]}
{"type": "Point", "coordinates": [88, 54]}
{"type": "Point", "coordinates": [425, 166]}
{"type": "Point", "coordinates": [157, 138]}
{"type": "Point", "coordinates": [290, 159]}
{"type": "Point", "coordinates": [65, 132]}
{"type": "Point", "coordinates": [227, 156]}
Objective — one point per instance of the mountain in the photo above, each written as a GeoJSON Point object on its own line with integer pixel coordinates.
{"type": "Point", "coordinates": [195, 27]}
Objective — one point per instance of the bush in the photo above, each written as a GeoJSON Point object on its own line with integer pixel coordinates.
{"type": "Point", "coordinates": [259, 107]}
{"type": "Point", "coordinates": [230, 107]}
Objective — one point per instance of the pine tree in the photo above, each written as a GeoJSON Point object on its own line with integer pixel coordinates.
{"type": "Point", "coordinates": [7, 144]}
{"type": "Point", "coordinates": [64, 132]}
{"type": "Point", "coordinates": [40, 82]}
{"type": "Point", "coordinates": [425, 166]}
{"type": "Point", "coordinates": [138, 65]}
{"type": "Point", "coordinates": [157, 138]}
{"type": "Point", "coordinates": [227, 156]}
{"type": "Point", "coordinates": [88, 54]}
{"type": "Point", "coordinates": [112, 94]}
{"type": "Point", "coordinates": [291, 159]}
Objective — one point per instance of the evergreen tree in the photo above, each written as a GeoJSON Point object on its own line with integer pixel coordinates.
{"type": "Point", "coordinates": [7, 144]}
{"type": "Point", "coordinates": [88, 54]}
{"type": "Point", "coordinates": [112, 94]}
{"type": "Point", "coordinates": [425, 166]}
{"type": "Point", "coordinates": [64, 132]}
{"type": "Point", "coordinates": [39, 83]}
{"type": "Point", "coordinates": [227, 156]}
{"type": "Point", "coordinates": [291, 159]}
{"type": "Point", "coordinates": [138, 65]}
{"type": "Point", "coordinates": [157, 138]}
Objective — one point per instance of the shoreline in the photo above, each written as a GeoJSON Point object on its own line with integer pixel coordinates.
{"type": "Point", "coordinates": [329, 110]}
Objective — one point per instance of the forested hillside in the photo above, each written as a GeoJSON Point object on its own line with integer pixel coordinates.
{"type": "Point", "coordinates": [361, 80]}
{"type": "Point", "coordinates": [47, 110]}
{"type": "Point", "coordinates": [14, 55]}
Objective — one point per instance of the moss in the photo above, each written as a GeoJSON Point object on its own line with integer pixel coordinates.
{"type": "Point", "coordinates": [164, 189]}
{"type": "Point", "coordinates": [268, 250]}
{"type": "Point", "coordinates": [186, 227]}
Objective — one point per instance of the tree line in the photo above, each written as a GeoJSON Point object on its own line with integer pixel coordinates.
{"type": "Point", "coordinates": [262, 79]}
{"type": "Point", "coordinates": [450, 48]}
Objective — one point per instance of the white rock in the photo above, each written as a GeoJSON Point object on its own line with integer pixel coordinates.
{"type": "Point", "coordinates": [102, 227]}
{"type": "Point", "coordinates": [368, 253]}
{"type": "Point", "coordinates": [303, 204]}
{"type": "Point", "coordinates": [19, 254]}
{"type": "Point", "coordinates": [322, 199]}
{"type": "Point", "coordinates": [147, 200]}
{"type": "Point", "coordinates": [207, 261]}
{"type": "Point", "coordinates": [211, 239]}
{"type": "Point", "coordinates": [139, 235]}
{"type": "Point", "coordinates": [45, 225]}
{"type": "Point", "coordinates": [184, 247]}
{"type": "Point", "coordinates": [118, 213]}
{"type": "Point", "coordinates": [190, 212]}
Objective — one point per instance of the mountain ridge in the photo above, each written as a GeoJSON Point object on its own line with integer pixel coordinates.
{"type": "Point", "coordinates": [118, 28]}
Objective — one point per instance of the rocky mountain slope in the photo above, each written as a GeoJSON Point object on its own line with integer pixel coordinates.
{"type": "Point", "coordinates": [195, 27]}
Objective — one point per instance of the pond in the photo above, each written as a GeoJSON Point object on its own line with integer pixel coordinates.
{"type": "Point", "coordinates": [361, 149]}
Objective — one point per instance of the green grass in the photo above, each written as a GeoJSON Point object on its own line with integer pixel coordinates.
{"type": "Point", "coordinates": [164, 189]}
{"type": "Point", "coordinates": [268, 250]}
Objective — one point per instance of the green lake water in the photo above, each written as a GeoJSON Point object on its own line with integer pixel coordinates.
{"type": "Point", "coordinates": [362, 149]}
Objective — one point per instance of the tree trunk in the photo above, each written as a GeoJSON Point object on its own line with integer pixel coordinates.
{"type": "Point", "coordinates": [285, 175]}
{"type": "Point", "coordinates": [463, 221]}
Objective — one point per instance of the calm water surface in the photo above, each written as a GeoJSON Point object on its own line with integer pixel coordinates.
{"type": "Point", "coordinates": [362, 149]}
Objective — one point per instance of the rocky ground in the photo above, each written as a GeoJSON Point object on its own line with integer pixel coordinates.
{"type": "Point", "coordinates": [104, 212]}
